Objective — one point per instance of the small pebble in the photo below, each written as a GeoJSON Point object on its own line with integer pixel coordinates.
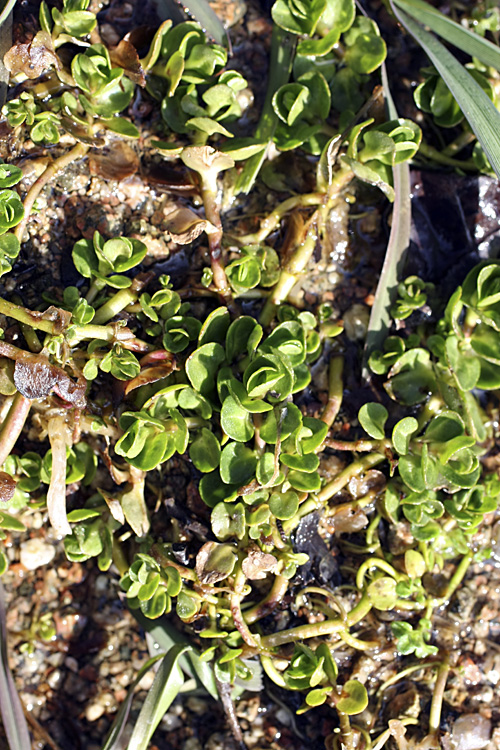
{"type": "Point", "coordinates": [94, 711]}
{"type": "Point", "coordinates": [35, 553]}
{"type": "Point", "coordinates": [171, 722]}
{"type": "Point", "coordinates": [54, 678]}
{"type": "Point", "coordinates": [470, 732]}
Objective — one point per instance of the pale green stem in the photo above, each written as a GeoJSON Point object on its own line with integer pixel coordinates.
{"type": "Point", "coordinates": [346, 733]}
{"type": "Point", "coordinates": [77, 152]}
{"type": "Point", "coordinates": [404, 673]}
{"type": "Point", "coordinates": [289, 277]}
{"type": "Point", "coordinates": [115, 305]}
{"type": "Point", "coordinates": [356, 468]}
{"type": "Point", "coordinates": [432, 153]}
{"type": "Point", "coordinates": [271, 671]}
{"type": "Point", "coordinates": [460, 142]}
{"type": "Point", "coordinates": [335, 390]}
{"type": "Point", "coordinates": [97, 286]}
{"type": "Point", "coordinates": [381, 564]}
{"type": "Point", "coordinates": [29, 317]}
{"type": "Point", "coordinates": [269, 603]}
{"type": "Point", "coordinates": [273, 219]}
{"type": "Point", "coordinates": [458, 576]}
{"type": "Point", "coordinates": [317, 629]}
{"type": "Point", "coordinates": [357, 446]}
{"type": "Point", "coordinates": [209, 191]}
{"type": "Point", "coordinates": [238, 619]}
{"type": "Point", "coordinates": [437, 697]}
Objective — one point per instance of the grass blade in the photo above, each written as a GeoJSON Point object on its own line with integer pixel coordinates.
{"type": "Point", "coordinates": [280, 66]}
{"type": "Point", "coordinates": [466, 40]}
{"type": "Point", "coordinates": [399, 240]}
{"type": "Point", "coordinates": [165, 688]}
{"type": "Point", "coordinates": [167, 636]}
{"type": "Point", "coordinates": [200, 10]}
{"type": "Point", "coordinates": [6, 8]}
{"type": "Point", "coordinates": [113, 740]}
{"type": "Point", "coordinates": [13, 719]}
{"type": "Point", "coordinates": [479, 110]}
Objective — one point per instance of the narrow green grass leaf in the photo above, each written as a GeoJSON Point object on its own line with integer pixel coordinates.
{"type": "Point", "coordinates": [479, 110]}
{"type": "Point", "coordinates": [13, 719]}
{"type": "Point", "coordinates": [199, 10]}
{"type": "Point", "coordinates": [164, 690]}
{"type": "Point", "coordinates": [466, 40]}
{"type": "Point", "coordinates": [166, 636]}
{"type": "Point", "coordinates": [280, 65]}
{"type": "Point", "coordinates": [113, 740]}
{"type": "Point", "coordinates": [6, 7]}
{"type": "Point", "coordinates": [399, 239]}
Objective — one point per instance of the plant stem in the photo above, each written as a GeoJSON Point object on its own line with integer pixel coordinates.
{"type": "Point", "coordinates": [381, 564]}
{"type": "Point", "coordinates": [271, 671]}
{"type": "Point", "coordinates": [346, 733]}
{"type": "Point", "coordinates": [269, 603]}
{"type": "Point", "coordinates": [32, 318]}
{"type": "Point", "coordinates": [316, 629]}
{"type": "Point", "coordinates": [115, 305]}
{"type": "Point", "coordinates": [239, 621]}
{"type": "Point", "coordinates": [210, 202]}
{"type": "Point", "coordinates": [356, 468]}
{"type": "Point", "coordinates": [335, 390]}
{"type": "Point", "coordinates": [437, 696]}
{"type": "Point", "coordinates": [357, 446]}
{"type": "Point", "coordinates": [289, 275]}
{"type": "Point", "coordinates": [460, 142]}
{"type": "Point", "coordinates": [457, 576]}
{"type": "Point", "coordinates": [77, 152]}
{"type": "Point", "coordinates": [297, 263]}
{"type": "Point", "coordinates": [404, 673]}
{"type": "Point", "coordinates": [273, 219]}
{"type": "Point", "coordinates": [13, 424]}
{"type": "Point", "coordinates": [432, 153]}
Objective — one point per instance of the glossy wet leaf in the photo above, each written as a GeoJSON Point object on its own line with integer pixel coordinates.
{"type": "Point", "coordinates": [372, 418]}
{"type": "Point", "coordinates": [403, 433]}
{"type": "Point", "coordinates": [382, 593]}
{"type": "Point", "coordinates": [204, 451]}
{"type": "Point", "coordinates": [354, 698]}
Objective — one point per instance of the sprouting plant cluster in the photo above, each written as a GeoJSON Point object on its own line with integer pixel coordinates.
{"type": "Point", "coordinates": [121, 378]}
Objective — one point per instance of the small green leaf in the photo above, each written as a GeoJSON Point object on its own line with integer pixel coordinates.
{"type": "Point", "coordinates": [354, 698]}
{"type": "Point", "coordinates": [284, 505]}
{"type": "Point", "coordinates": [382, 593]}
{"type": "Point", "coordinates": [402, 434]}
{"type": "Point", "coordinates": [372, 418]}
{"type": "Point", "coordinates": [205, 451]}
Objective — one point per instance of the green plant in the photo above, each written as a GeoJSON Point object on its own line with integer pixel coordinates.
{"type": "Point", "coordinates": [155, 381]}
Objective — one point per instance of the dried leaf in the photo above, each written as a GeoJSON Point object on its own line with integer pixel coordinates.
{"type": "Point", "coordinates": [60, 318]}
{"type": "Point", "coordinates": [116, 164]}
{"type": "Point", "coordinates": [205, 159]}
{"type": "Point", "coordinates": [7, 487]}
{"type": "Point", "coordinates": [150, 375]}
{"type": "Point", "coordinates": [35, 377]}
{"type": "Point", "coordinates": [257, 564]}
{"type": "Point", "coordinates": [125, 56]}
{"type": "Point", "coordinates": [33, 58]}
{"type": "Point", "coordinates": [185, 225]}
{"type": "Point", "coordinates": [114, 506]}
{"type": "Point", "coordinates": [214, 562]}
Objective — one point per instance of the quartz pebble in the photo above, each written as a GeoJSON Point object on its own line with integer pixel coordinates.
{"type": "Point", "coordinates": [94, 711]}
{"type": "Point", "coordinates": [470, 732]}
{"type": "Point", "coordinates": [35, 553]}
